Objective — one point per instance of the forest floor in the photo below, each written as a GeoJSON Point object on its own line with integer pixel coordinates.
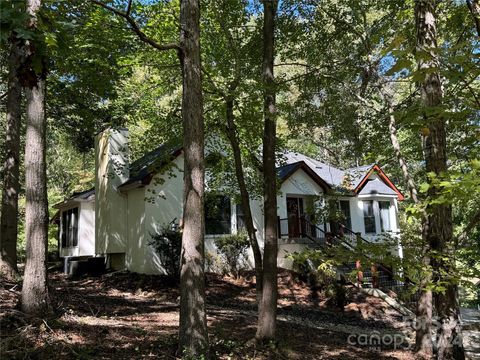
{"type": "Point", "coordinates": [129, 316]}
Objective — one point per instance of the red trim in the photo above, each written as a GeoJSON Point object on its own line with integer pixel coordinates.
{"type": "Point", "coordinates": [385, 179]}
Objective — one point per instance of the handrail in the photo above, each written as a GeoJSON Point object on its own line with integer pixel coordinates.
{"type": "Point", "coordinates": [350, 247]}
{"type": "Point", "coordinates": [356, 234]}
{"type": "Point", "coordinates": [305, 232]}
{"type": "Point", "coordinates": [304, 223]}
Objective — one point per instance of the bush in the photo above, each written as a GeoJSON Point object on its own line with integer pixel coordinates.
{"type": "Point", "coordinates": [168, 245]}
{"type": "Point", "coordinates": [233, 251]}
{"type": "Point", "coordinates": [321, 277]}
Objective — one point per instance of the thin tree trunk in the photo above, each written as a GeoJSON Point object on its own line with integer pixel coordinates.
{"type": "Point", "coordinates": [474, 7]}
{"type": "Point", "coordinates": [193, 336]}
{"type": "Point", "coordinates": [424, 311]}
{"type": "Point", "coordinates": [267, 315]}
{"type": "Point", "coordinates": [438, 227]}
{"type": "Point", "coordinates": [244, 196]}
{"type": "Point", "coordinates": [11, 173]}
{"type": "Point", "coordinates": [392, 126]}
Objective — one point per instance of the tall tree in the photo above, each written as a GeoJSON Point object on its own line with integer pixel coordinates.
{"type": "Point", "coordinates": [438, 229]}
{"type": "Point", "coordinates": [11, 172]}
{"type": "Point", "coordinates": [227, 44]}
{"type": "Point", "coordinates": [244, 196]}
{"type": "Point", "coordinates": [267, 315]}
{"type": "Point", "coordinates": [193, 335]}
{"type": "Point", "coordinates": [35, 298]}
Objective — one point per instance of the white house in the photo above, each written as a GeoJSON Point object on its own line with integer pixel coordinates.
{"type": "Point", "coordinates": [132, 201]}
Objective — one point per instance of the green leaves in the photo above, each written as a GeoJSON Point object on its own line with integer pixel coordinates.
{"type": "Point", "coordinates": [401, 64]}
{"type": "Point", "coordinates": [423, 188]}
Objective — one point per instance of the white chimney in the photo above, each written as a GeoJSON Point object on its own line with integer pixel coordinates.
{"type": "Point", "coordinates": [111, 170]}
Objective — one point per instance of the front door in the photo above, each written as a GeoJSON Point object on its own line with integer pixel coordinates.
{"type": "Point", "coordinates": [294, 212]}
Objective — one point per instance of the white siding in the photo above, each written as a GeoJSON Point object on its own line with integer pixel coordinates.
{"type": "Point", "coordinates": [135, 254]}
{"type": "Point", "coordinates": [86, 230]}
{"type": "Point", "coordinates": [166, 192]}
{"type": "Point", "coordinates": [298, 184]}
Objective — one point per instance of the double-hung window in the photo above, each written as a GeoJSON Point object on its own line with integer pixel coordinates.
{"type": "Point", "coordinates": [369, 217]}
{"type": "Point", "coordinates": [344, 207]}
{"type": "Point", "coordinates": [384, 207]}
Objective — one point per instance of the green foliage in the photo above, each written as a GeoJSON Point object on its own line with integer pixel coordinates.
{"type": "Point", "coordinates": [233, 251]}
{"type": "Point", "coordinates": [323, 276]}
{"type": "Point", "coordinates": [167, 243]}
{"type": "Point", "coordinates": [337, 64]}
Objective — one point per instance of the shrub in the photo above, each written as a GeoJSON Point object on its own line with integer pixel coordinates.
{"type": "Point", "coordinates": [212, 262]}
{"type": "Point", "coordinates": [233, 251]}
{"type": "Point", "coordinates": [168, 245]}
{"type": "Point", "coordinates": [321, 277]}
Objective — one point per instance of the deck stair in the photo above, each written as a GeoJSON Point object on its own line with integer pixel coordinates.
{"type": "Point", "coordinates": [383, 277]}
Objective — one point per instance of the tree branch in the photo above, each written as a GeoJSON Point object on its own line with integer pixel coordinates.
{"type": "Point", "coordinates": [474, 8]}
{"type": "Point", "coordinates": [135, 28]}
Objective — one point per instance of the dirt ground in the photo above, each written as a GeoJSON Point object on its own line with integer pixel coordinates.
{"type": "Point", "coordinates": [130, 316]}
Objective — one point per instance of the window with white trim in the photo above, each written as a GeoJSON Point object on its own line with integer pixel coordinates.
{"type": "Point", "coordinates": [344, 207]}
{"type": "Point", "coordinates": [69, 228]}
{"type": "Point", "coordinates": [385, 224]}
{"type": "Point", "coordinates": [369, 217]}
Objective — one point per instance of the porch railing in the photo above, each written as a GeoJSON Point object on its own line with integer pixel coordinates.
{"type": "Point", "coordinates": [349, 240]}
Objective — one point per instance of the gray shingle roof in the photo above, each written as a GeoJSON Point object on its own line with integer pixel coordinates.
{"type": "Point", "coordinates": [83, 195]}
{"type": "Point", "coordinates": [376, 186]}
{"type": "Point", "coordinates": [87, 195]}
{"type": "Point", "coordinates": [285, 171]}
{"type": "Point", "coordinates": [344, 180]}
{"type": "Point", "coordinates": [356, 174]}
{"type": "Point", "coordinates": [151, 162]}
{"type": "Point", "coordinates": [332, 175]}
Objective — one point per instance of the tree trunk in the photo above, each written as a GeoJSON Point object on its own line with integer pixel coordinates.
{"type": "Point", "coordinates": [423, 335]}
{"type": "Point", "coordinates": [35, 298]}
{"type": "Point", "coordinates": [438, 227]}
{"type": "Point", "coordinates": [193, 336]}
{"type": "Point", "coordinates": [11, 173]}
{"type": "Point", "coordinates": [244, 196]}
{"type": "Point", "coordinates": [268, 307]}
{"type": "Point", "coordinates": [392, 126]}
{"type": "Point", "coordinates": [474, 7]}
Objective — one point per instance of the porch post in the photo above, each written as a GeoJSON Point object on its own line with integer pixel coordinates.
{"type": "Point", "coordinates": [374, 271]}
{"type": "Point", "coordinates": [358, 264]}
